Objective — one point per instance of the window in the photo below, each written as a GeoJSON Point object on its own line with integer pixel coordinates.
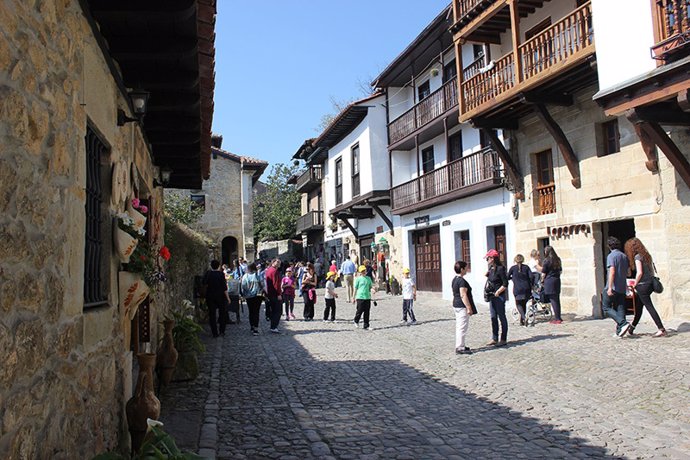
{"type": "Point", "coordinates": [198, 201]}
{"type": "Point", "coordinates": [95, 293]}
{"type": "Point", "coordinates": [455, 146]}
{"type": "Point", "coordinates": [450, 71]}
{"type": "Point", "coordinates": [339, 181]}
{"type": "Point", "coordinates": [462, 248]}
{"type": "Point", "coordinates": [428, 159]}
{"type": "Point", "coordinates": [484, 139]}
{"type": "Point", "coordinates": [544, 186]}
{"type": "Point", "coordinates": [477, 51]}
{"type": "Point", "coordinates": [423, 90]}
{"type": "Point", "coordinates": [611, 136]}
{"type": "Point", "coordinates": [355, 170]}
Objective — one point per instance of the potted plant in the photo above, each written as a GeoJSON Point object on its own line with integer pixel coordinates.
{"type": "Point", "coordinates": [187, 343]}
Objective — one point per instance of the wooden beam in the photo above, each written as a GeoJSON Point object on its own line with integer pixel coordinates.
{"type": "Point", "coordinates": [564, 146]}
{"type": "Point", "coordinates": [514, 174]}
{"type": "Point", "coordinates": [384, 217]}
{"type": "Point", "coordinates": [515, 33]}
{"type": "Point", "coordinates": [657, 134]}
{"type": "Point", "coordinates": [536, 97]}
{"type": "Point", "coordinates": [664, 113]}
{"type": "Point", "coordinates": [648, 145]}
{"type": "Point", "coordinates": [352, 229]}
{"type": "Point", "coordinates": [494, 123]}
{"type": "Point", "coordinates": [487, 14]}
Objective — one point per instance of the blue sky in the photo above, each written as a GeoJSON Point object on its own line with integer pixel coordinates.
{"type": "Point", "coordinates": [278, 63]}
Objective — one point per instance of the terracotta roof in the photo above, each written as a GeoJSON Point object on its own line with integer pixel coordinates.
{"type": "Point", "coordinates": [247, 163]}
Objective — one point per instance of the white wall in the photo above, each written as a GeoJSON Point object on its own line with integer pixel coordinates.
{"type": "Point", "coordinates": [400, 100]}
{"type": "Point", "coordinates": [615, 21]}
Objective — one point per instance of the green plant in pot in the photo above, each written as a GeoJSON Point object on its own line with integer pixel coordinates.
{"type": "Point", "coordinates": [186, 338]}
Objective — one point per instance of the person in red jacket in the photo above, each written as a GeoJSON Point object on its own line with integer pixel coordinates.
{"type": "Point", "coordinates": [274, 294]}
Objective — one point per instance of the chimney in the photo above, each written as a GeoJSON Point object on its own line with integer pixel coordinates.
{"type": "Point", "coordinates": [216, 140]}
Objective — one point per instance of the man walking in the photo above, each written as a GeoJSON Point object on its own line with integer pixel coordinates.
{"type": "Point", "coordinates": [613, 298]}
{"type": "Point", "coordinates": [273, 294]}
{"type": "Point", "coordinates": [348, 271]}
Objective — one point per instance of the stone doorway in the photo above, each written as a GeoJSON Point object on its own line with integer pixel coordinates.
{"type": "Point", "coordinates": [229, 250]}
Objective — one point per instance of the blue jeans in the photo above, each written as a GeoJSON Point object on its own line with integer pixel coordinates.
{"type": "Point", "coordinates": [497, 308]}
{"type": "Point", "coordinates": [614, 308]}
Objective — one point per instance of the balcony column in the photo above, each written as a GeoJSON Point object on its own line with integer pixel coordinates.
{"type": "Point", "coordinates": [460, 77]}
{"type": "Point", "coordinates": [416, 148]}
{"type": "Point", "coordinates": [445, 133]}
{"type": "Point", "coordinates": [515, 32]}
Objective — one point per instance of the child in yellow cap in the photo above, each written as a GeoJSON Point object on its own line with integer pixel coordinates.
{"type": "Point", "coordinates": [409, 293]}
{"type": "Point", "coordinates": [330, 297]}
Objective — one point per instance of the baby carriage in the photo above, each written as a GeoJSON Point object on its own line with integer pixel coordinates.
{"type": "Point", "coordinates": [537, 307]}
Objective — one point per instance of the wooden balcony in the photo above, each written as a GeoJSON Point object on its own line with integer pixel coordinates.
{"type": "Point", "coordinates": [467, 176]}
{"type": "Point", "coordinates": [546, 199]}
{"type": "Point", "coordinates": [429, 109]}
{"type": "Point", "coordinates": [673, 17]}
{"type": "Point", "coordinates": [311, 221]}
{"type": "Point", "coordinates": [550, 54]}
{"type": "Point", "coordinates": [310, 179]}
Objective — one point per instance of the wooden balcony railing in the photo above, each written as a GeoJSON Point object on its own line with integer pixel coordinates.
{"type": "Point", "coordinates": [563, 39]}
{"type": "Point", "coordinates": [433, 106]}
{"type": "Point", "coordinates": [310, 179]}
{"type": "Point", "coordinates": [463, 7]}
{"type": "Point", "coordinates": [546, 199]}
{"type": "Point", "coordinates": [312, 220]}
{"type": "Point", "coordinates": [462, 173]}
{"type": "Point", "coordinates": [567, 40]}
{"type": "Point", "coordinates": [473, 69]}
{"type": "Point", "coordinates": [674, 27]}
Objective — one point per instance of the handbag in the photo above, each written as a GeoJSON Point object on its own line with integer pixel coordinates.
{"type": "Point", "coordinates": [488, 291]}
{"type": "Point", "coordinates": [656, 283]}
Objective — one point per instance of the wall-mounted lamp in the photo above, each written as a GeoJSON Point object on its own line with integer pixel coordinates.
{"type": "Point", "coordinates": [166, 172]}
{"type": "Point", "coordinates": [140, 99]}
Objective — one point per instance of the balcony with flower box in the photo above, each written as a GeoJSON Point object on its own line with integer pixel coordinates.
{"type": "Point", "coordinates": [469, 175]}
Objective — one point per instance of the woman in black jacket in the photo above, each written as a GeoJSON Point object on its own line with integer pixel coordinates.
{"type": "Point", "coordinates": [551, 279]}
{"type": "Point", "coordinates": [496, 294]}
{"type": "Point", "coordinates": [521, 275]}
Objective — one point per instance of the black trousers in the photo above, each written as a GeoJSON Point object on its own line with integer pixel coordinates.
{"type": "Point", "coordinates": [276, 311]}
{"type": "Point", "coordinates": [217, 315]}
{"type": "Point", "coordinates": [363, 308]}
{"type": "Point", "coordinates": [254, 306]}
{"type": "Point", "coordinates": [308, 306]}
{"type": "Point", "coordinates": [644, 292]}
{"type": "Point", "coordinates": [330, 307]}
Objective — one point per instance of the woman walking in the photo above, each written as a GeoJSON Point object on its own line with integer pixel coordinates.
{"type": "Point", "coordinates": [309, 291]}
{"type": "Point", "coordinates": [463, 304]}
{"type": "Point", "coordinates": [495, 294]}
{"type": "Point", "coordinates": [251, 288]}
{"type": "Point", "coordinates": [521, 275]}
{"type": "Point", "coordinates": [639, 257]}
{"type": "Point", "coordinates": [551, 279]}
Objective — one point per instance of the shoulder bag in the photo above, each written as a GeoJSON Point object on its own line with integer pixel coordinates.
{"type": "Point", "coordinates": [656, 282]}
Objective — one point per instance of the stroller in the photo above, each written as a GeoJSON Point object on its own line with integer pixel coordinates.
{"type": "Point", "coordinates": [537, 306]}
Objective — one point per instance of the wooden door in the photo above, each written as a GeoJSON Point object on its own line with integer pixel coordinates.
{"type": "Point", "coordinates": [500, 242]}
{"type": "Point", "coordinates": [427, 252]}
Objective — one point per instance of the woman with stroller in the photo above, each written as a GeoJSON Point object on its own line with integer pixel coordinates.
{"type": "Point", "coordinates": [521, 275]}
{"type": "Point", "coordinates": [639, 257]}
{"type": "Point", "coordinates": [551, 280]}
{"type": "Point", "coordinates": [495, 293]}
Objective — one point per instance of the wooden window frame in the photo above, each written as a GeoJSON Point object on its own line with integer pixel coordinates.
{"type": "Point", "coordinates": [338, 170]}
{"type": "Point", "coordinates": [450, 71]}
{"type": "Point", "coordinates": [356, 167]}
{"type": "Point", "coordinates": [465, 248]}
{"type": "Point", "coordinates": [537, 185]}
{"type": "Point", "coordinates": [424, 85]}
{"type": "Point", "coordinates": [457, 135]}
{"type": "Point", "coordinates": [606, 137]}
{"type": "Point", "coordinates": [426, 151]}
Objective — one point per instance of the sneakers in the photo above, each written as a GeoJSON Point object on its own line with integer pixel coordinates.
{"type": "Point", "coordinates": [275, 331]}
{"type": "Point", "coordinates": [403, 321]}
{"type": "Point", "coordinates": [624, 330]}
{"type": "Point", "coordinates": [292, 316]}
{"type": "Point", "coordinates": [660, 333]}
{"type": "Point", "coordinates": [255, 332]}
{"type": "Point", "coordinates": [412, 322]}
{"type": "Point", "coordinates": [463, 351]}
{"type": "Point", "coordinates": [356, 324]}
{"type": "Point", "coordinates": [631, 330]}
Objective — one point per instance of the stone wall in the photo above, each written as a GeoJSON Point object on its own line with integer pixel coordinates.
{"type": "Point", "coordinates": [66, 371]}
{"type": "Point", "coordinates": [614, 187]}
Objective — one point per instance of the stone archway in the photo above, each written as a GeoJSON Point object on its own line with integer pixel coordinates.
{"type": "Point", "coordinates": [229, 250]}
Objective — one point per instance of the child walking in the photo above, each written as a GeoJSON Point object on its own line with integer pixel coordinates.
{"type": "Point", "coordinates": [330, 297]}
{"type": "Point", "coordinates": [288, 286]}
{"type": "Point", "coordinates": [409, 293]}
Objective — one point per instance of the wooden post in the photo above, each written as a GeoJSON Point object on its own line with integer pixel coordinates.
{"type": "Point", "coordinates": [460, 77]}
{"type": "Point", "coordinates": [515, 30]}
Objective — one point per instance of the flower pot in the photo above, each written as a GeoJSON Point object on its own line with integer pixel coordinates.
{"type": "Point", "coordinates": [143, 404]}
{"type": "Point", "coordinates": [125, 244]}
{"type": "Point", "coordinates": [167, 354]}
{"type": "Point", "coordinates": [187, 367]}
{"type": "Point", "coordinates": [133, 291]}
{"type": "Point", "coordinates": [138, 218]}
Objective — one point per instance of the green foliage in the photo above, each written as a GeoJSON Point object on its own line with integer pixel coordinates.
{"type": "Point", "coordinates": [186, 329]}
{"type": "Point", "coordinates": [178, 208]}
{"type": "Point", "coordinates": [276, 211]}
{"type": "Point", "coordinates": [190, 258]}
{"type": "Point", "coordinates": [158, 445]}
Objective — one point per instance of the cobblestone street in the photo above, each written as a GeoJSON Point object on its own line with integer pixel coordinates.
{"type": "Point", "coordinates": [330, 390]}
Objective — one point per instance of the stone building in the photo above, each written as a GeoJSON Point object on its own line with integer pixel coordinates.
{"type": "Point", "coordinates": [227, 200]}
{"type": "Point", "coordinates": [72, 153]}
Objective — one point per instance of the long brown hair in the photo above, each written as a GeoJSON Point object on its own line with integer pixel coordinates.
{"type": "Point", "coordinates": [551, 256]}
{"type": "Point", "coordinates": [634, 246]}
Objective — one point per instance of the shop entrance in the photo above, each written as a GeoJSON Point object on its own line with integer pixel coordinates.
{"type": "Point", "coordinates": [427, 256]}
{"type": "Point", "coordinates": [623, 230]}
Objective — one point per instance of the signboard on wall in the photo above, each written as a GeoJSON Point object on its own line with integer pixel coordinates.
{"type": "Point", "coordinates": [422, 220]}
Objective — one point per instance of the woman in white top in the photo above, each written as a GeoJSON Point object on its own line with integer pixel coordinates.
{"type": "Point", "coordinates": [534, 265]}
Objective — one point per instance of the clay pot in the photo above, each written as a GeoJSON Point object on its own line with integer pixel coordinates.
{"type": "Point", "coordinates": [167, 354]}
{"type": "Point", "coordinates": [124, 244]}
{"type": "Point", "coordinates": [138, 218]}
{"type": "Point", "coordinates": [143, 404]}
{"type": "Point", "coordinates": [133, 291]}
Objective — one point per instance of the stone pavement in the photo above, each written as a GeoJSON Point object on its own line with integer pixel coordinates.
{"type": "Point", "coordinates": [329, 390]}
